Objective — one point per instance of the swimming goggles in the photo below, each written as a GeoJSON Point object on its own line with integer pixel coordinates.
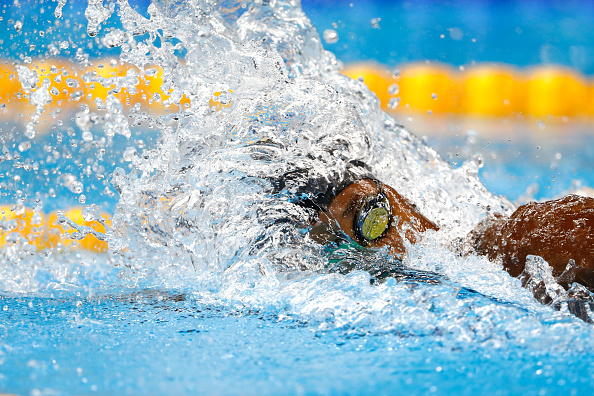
{"type": "Point", "coordinates": [373, 217]}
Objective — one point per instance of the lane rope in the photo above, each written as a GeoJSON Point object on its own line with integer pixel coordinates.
{"type": "Point", "coordinates": [482, 89]}
{"type": "Point", "coordinates": [491, 90]}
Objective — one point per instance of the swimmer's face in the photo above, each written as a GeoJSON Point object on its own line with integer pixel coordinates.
{"type": "Point", "coordinates": [376, 216]}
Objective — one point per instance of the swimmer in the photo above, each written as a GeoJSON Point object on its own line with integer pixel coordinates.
{"type": "Point", "coordinates": [375, 215]}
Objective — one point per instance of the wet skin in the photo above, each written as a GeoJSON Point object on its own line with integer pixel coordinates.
{"type": "Point", "coordinates": [406, 221]}
{"type": "Point", "coordinates": [558, 231]}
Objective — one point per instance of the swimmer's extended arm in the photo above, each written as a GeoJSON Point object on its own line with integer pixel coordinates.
{"type": "Point", "coordinates": [558, 231]}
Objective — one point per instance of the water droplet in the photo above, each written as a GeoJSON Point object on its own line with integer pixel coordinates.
{"type": "Point", "coordinates": [24, 146]}
{"type": "Point", "coordinates": [70, 182]}
{"type": "Point", "coordinates": [393, 103]}
{"type": "Point", "coordinates": [375, 23]}
{"type": "Point", "coordinates": [129, 154]}
{"type": "Point", "coordinates": [82, 199]}
{"type": "Point", "coordinates": [19, 209]}
{"type": "Point", "coordinates": [433, 96]}
{"type": "Point", "coordinates": [394, 89]}
{"type": "Point", "coordinates": [330, 36]}
{"type": "Point", "coordinates": [36, 219]}
{"type": "Point", "coordinates": [58, 11]}
{"type": "Point", "coordinates": [18, 25]}
{"type": "Point", "coordinates": [456, 33]}
{"type": "Point", "coordinates": [87, 136]}
{"type": "Point", "coordinates": [396, 73]}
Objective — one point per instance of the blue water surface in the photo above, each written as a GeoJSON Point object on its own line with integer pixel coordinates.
{"type": "Point", "coordinates": [148, 342]}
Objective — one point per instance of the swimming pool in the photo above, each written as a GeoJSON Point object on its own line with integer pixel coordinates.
{"type": "Point", "coordinates": [204, 290]}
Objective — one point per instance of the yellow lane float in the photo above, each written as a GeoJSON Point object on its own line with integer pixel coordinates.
{"type": "Point", "coordinates": [482, 89]}
{"type": "Point", "coordinates": [61, 79]}
{"type": "Point", "coordinates": [431, 88]}
{"type": "Point", "coordinates": [492, 89]}
{"type": "Point", "coordinates": [556, 91]}
{"type": "Point", "coordinates": [23, 225]}
{"type": "Point", "coordinates": [10, 90]}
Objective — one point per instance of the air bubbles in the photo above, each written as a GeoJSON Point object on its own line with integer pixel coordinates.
{"type": "Point", "coordinates": [434, 96]}
{"type": "Point", "coordinates": [82, 199]}
{"type": "Point", "coordinates": [330, 36]}
{"type": "Point", "coordinates": [394, 89]}
{"type": "Point", "coordinates": [18, 25]}
{"type": "Point", "coordinates": [375, 23]}
{"type": "Point", "coordinates": [396, 73]}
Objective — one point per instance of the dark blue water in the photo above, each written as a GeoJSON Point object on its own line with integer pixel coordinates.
{"type": "Point", "coordinates": [520, 33]}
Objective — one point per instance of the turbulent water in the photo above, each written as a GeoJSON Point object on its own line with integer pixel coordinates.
{"type": "Point", "coordinates": [209, 209]}
{"type": "Point", "coordinates": [207, 192]}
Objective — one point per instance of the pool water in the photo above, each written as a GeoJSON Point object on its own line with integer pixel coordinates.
{"type": "Point", "coordinates": [211, 284]}
{"type": "Point", "coordinates": [160, 342]}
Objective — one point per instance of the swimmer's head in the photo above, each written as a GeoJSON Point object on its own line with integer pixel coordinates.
{"type": "Point", "coordinates": [374, 215]}
{"type": "Point", "coordinates": [356, 206]}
